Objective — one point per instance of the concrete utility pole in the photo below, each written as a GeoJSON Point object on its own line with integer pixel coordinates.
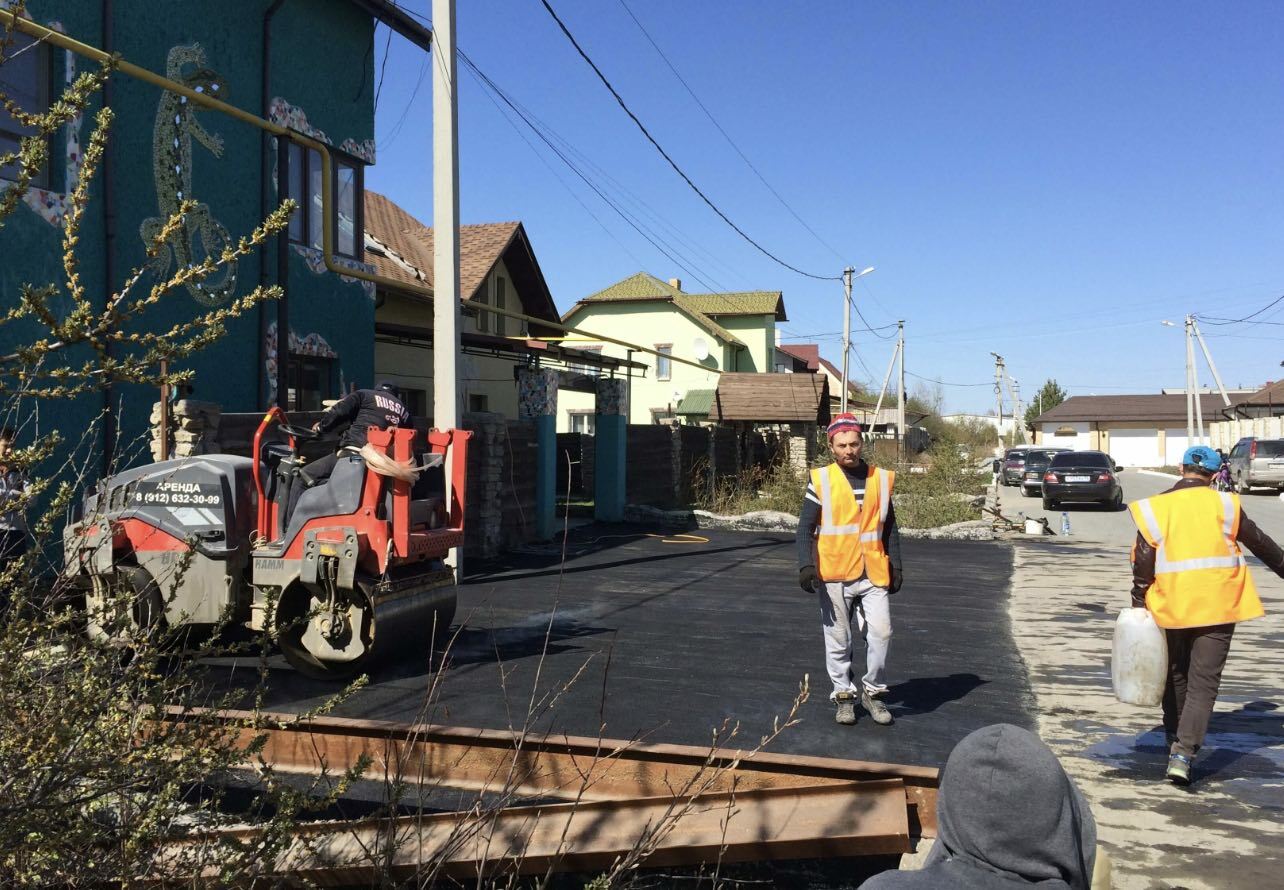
{"type": "Point", "coordinates": [445, 222]}
{"type": "Point", "coordinates": [887, 378]}
{"type": "Point", "coordinates": [1017, 420]}
{"type": "Point", "coordinates": [847, 330]}
{"type": "Point", "coordinates": [1208, 357]}
{"type": "Point", "coordinates": [1191, 399]}
{"type": "Point", "coordinates": [998, 390]}
{"type": "Point", "coordinates": [900, 410]}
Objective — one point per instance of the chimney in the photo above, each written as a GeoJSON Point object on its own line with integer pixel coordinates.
{"type": "Point", "coordinates": [675, 283]}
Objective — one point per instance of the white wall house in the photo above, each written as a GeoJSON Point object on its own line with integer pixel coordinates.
{"type": "Point", "coordinates": [1135, 430]}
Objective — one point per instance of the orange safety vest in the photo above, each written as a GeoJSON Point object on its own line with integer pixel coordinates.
{"type": "Point", "coordinates": [1201, 578]}
{"type": "Point", "coordinates": [849, 539]}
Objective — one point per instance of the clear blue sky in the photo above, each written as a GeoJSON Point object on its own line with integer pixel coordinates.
{"type": "Point", "coordinates": [1047, 181]}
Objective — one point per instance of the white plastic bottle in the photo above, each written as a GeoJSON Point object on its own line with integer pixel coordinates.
{"type": "Point", "coordinates": [1139, 661]}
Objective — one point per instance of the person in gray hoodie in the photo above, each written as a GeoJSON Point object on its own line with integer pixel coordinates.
{"type": "Point", "coordinates": [1007, 816]}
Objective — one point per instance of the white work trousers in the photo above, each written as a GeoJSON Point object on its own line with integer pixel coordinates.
{"type": "Point", "coordinates": [848, 608]}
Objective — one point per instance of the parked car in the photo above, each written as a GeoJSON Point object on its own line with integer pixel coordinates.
{"type": "Point", "coordinates": [1014, 465]}
{"type": "Point", "coordinates": [1036, 463]}
{"type": "Point", "coordinates": [1257, 462]}
{"type": "Point", "coordinates": [1082, 477]}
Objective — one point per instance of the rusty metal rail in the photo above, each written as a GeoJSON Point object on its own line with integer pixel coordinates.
{"type": "Point", "coordinates": [734, 806]}
{"type": "Point", "coordinates": [843, 819]}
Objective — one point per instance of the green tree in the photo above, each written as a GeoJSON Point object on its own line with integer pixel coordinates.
{"type": "Point", "coordinates": [1048, 397]}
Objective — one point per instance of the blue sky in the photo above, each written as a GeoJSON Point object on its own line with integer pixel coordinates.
{"type": "Point", "coordinates": [1047, 181]}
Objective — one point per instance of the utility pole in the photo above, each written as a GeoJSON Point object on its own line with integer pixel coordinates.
{"type": "Point", "coordinates": [1014, 394]}
{"type": "Point", "coordinates": [847, 330]}
{"type": "Point", "coordinates": [445, 221]}
{"type": "Point", "coordinates": [1190, 384]}
{"type": "Point", "coordinates": [900, 410]}
{"type": "Point", "coordinates": [887, 378]}
{"type": "Point", "coordinates": [1208, 357]}
{"type": "Point", "coordinates": [998, 390]}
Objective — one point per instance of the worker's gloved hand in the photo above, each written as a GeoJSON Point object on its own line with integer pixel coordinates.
{"type": "Point", "coordinates": [808, 579]}
{"type": "Point", "coordinates": [894, 581]}
{"type": "Point", "coordinates": [1139, 602]}
{"type": "Point", "coordinates": [316, 427]}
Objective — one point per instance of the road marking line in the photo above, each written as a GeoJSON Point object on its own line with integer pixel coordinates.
{"type": "Point", "coordinates": [1159, 474]}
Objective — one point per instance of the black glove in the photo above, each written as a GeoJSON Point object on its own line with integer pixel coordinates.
{"type": "Point", "coordinates": [807, 578]}
{"type": "Point", "coordinates": [1139, 602]}
{"type": "Point", "coordinates": [894, 581]}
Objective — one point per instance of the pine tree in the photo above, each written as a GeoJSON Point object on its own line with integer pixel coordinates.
{"type": "Point", "coordinates": [1048, 397]}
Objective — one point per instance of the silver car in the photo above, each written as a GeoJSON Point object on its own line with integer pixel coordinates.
{"type": "Point", "coordinates": [1257, 462]}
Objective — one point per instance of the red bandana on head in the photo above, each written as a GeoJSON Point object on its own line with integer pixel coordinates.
{"type": "Point", "coordinates": [842, 423]}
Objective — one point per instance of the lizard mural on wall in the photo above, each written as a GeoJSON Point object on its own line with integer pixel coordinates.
{"type": "Point", "coordinates": [175, 128]}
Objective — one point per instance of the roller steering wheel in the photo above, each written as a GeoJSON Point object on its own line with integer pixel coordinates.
{"type": "Point", "coordinates": [299, 432]}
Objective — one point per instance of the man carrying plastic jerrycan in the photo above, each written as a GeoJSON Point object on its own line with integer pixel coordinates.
{"type": "Point", "coordinates": [849, 552]}
{"type": "Point", "coordinates": [1189, 572]}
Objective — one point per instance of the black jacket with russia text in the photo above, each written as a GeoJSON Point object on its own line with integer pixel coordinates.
{"type": "Point", "coordinates": [363, 410]}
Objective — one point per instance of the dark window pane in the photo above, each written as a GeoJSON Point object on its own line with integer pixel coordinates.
{"type": "Point", "coordinates": [314, 199]}
{"type": "Point", "coordinates": [24, 78]}
{"type": "Point", "coordinates": [294, 190]}
{"type": "Point", "coordinates": [501, 302]}
{"type": "Point", "coordinates": [1270, 448]}
{"type": "Point", "coordinates": [345, 204]}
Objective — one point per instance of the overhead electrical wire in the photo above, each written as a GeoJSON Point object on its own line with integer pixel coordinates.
{"type": "Point", "coordinates": [549, 137]}
{"type": "Point", "coordinates": [726, 135]}
{"type": "Point", "coordinates": [672, 163]}
{"type": "Point", "coordinates": [504, 97]}
{"type": "Point", "coordinates": [1222, 321]}
{"type": "Point", "coordinates": [945, 383]}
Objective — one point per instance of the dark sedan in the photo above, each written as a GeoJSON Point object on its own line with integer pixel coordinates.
{"type": "Point", "coordinates": [1036, 464]}
{"type": "Point", "coordinates": [1082, 477]}
{"type": "Point", "coordinates": [1013, 465]}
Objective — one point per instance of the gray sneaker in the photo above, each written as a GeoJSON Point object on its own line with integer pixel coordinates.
{"type": "Point", "coordinates": [846, 712]}
{"type": "Point", "coordinates": [1179, 769]}
{"type": "Point", "coordinates": [876, 709]}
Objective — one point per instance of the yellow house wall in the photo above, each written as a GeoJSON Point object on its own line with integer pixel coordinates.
{"type": "Point", "coordinates": [411, 366]}
{"type": "Point", "coordinates": [758, 333]}
{"type": "Point", "coordinates": [647, 324]}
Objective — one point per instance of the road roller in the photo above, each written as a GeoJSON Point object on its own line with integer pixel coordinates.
{"type": "Point", "coordinates": [342, 574]}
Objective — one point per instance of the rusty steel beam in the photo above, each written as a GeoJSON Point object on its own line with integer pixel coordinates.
{"type": "Point", "coordinates": [517, 765]}
{"type": "Point", "coordinates": [816, 821]}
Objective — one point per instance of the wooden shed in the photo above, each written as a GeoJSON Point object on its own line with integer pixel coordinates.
{"type": "Point", "coordinates": [771, 398]}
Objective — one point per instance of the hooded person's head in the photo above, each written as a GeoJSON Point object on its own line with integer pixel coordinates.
{"type": "Point", "coordinates": [1006, 807]}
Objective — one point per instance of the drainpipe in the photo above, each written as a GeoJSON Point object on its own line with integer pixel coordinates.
{"type": "Point", "coordinates": [109, 246]}
{"type": "Point", "coordinates": [265, 184]}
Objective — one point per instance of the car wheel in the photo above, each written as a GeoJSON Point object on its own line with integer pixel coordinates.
{"type": "Point", "coordinates": [1118, 502]}
{"type": "Point", "coordinates": [1049, 504]}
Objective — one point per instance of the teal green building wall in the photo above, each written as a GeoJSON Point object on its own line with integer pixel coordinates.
{"type": "Point", "coordinates": [329, 92]}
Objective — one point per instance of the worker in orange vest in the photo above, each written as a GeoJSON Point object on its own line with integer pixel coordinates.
{"type": "Point", "coordinates": [1189, 572]}
{"type": "Point", "coordinates": [849, 551]}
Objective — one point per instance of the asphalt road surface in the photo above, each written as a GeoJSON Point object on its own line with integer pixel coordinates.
{"type": "Point", "coordinates": [637, 638]}
{"type": "Point", "coordinates": [1101, 525]}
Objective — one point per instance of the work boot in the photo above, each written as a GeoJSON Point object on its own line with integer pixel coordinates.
{"type": "Point", "coordinates": [846, 712]}
{"type": "Point", "coordinates": [876, 709]}
{"type": "Point", "coordinates": [1179, 769]}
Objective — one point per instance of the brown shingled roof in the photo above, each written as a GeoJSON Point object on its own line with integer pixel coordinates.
{"type": "Point", "coordinates": [480, 246]}
{"type": "Point", "coordinates": [804, 352]}
{"type": "Point", "coordinates": [1148, 407]}
{"type": "Point", "coordinates": [771, 398]}
{"type": "Point", "coordinates": [401, 248]}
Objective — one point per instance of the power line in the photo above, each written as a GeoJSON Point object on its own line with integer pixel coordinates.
{"type": "Point", "coordinates": [945, 383]}
{"type": "Point", "coordinates": [498, 91]}
{"type": "Point", "coordinates": [548, 135]}
{"type": "Point", "coordinates": [725, 134]}
{"type": "Point", "coordinates": [664, 154]}
{"type": "Point", "coordinates": [1222, 321]}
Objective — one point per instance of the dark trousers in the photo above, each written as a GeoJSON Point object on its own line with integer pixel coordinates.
{"type": "Point", "coordinates": [320, 469]}
{"type": "Point", "coordinates": [1196, 656]}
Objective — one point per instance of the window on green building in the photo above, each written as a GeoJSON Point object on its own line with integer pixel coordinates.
{"type": "Point", "coordinates": [24, 78]}
{"type": "Point", "coordinates": [311, 381]}
{"type": "Point", "coordinates": [348, 190]}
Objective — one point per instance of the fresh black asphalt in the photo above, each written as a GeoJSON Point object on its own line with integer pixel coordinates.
{"type": "Point", "coordinates": [633, 637]}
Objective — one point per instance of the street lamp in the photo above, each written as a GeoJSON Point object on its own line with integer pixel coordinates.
{"type": "Point", "coordinates": [848, 278]}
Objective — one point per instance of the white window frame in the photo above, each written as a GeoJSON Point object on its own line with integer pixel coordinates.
{"type": "Point", "coordinates": [664, 364]}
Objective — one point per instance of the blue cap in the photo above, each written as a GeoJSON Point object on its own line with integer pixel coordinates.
{"type": "Point", "coordinates": [1203, 457]}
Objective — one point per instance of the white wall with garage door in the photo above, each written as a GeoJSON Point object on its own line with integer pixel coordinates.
{"type": "Point", "coordinates": [1074, 436]}
{"type": "Point", "coordinates": [1175, 445]}
{"type": "Point", "coordinates": [1135, 448]}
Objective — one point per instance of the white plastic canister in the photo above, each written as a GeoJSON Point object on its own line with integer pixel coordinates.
{"type": "Point", "coordinates": [1139, 663]}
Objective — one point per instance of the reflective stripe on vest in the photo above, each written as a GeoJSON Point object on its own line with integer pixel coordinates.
{"type": "Point", "coordinates": [1201, 576]}
{"type": "Point", "coordinates": [836, 558]}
